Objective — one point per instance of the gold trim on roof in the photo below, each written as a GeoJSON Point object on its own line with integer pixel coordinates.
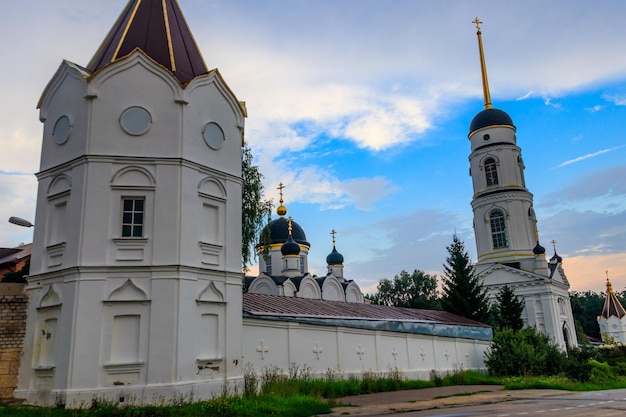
{"type": "Point", "coordinates": [170, 48]}
{"type": "Point", "coordinates": [130, 21]}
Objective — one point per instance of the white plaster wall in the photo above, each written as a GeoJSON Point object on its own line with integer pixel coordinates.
{"type": "Point", "coordinates": [353, 351]}
{"type": "Point", "coordinates": [614, 328]}
{"type": "Point", "coordinates": [169, 271]}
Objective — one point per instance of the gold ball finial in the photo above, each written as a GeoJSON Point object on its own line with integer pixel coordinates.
{"type": "Point", "coordinates": [281, 210]}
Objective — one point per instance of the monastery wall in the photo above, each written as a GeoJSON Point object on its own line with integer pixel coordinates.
{"type": "Point", "coordinates": [13, 305]}
{"type": "Point", "coordinates": [269, 344]}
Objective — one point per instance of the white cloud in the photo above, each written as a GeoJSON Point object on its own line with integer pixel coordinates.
{"type": "Point", "coordinates": [595, 108]}
{"type": "Point", "coordinates": [618, 100]}
{"type": "Point", "coordinates": [525, 96]}
{"type": "Point", "coordinates": [587, 156]}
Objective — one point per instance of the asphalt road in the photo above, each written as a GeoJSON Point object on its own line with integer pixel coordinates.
{"type": "Point", "coordinates": [587, 404]}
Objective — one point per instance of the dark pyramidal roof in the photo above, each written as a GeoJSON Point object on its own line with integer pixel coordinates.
{"type": "Point", "coordinates": [158, 28]}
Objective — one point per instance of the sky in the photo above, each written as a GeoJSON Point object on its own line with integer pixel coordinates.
{"type": "Point", "coordinates": [361, 108]}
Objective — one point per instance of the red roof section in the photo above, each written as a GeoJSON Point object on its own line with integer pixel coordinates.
{"type": "Point", "coordinates": [158, 28]}
{"type": "Point", "coordinates": [277, 306]}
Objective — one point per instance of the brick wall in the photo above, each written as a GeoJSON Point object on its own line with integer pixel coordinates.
{"type": "Point", "coordinates": [13, 304]}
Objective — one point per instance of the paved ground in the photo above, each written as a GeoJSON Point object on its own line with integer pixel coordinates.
{"type": "Point", "coordinates": [431, 398]}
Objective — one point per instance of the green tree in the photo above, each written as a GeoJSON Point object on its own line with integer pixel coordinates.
{"type": "Point", "coordinates": [415, 290]}
{"type": "Point", "coordinates": [586, 307]}
{"type": "Point", "coordinates": [255, 210]}
{"type": "Point", "coordinates": [524, 352]}
{"type": "Point", "coordinates": [463, 293]}
{"type": "Point", "coordinates": [508, 310]}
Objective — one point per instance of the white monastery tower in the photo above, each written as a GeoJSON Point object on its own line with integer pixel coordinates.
{"type": "Point", "coordinates": [505, 225]}
{"type": "Point", "coordinates": [612, 320]}
{"type": "Point", "coordinates": [135, 286]}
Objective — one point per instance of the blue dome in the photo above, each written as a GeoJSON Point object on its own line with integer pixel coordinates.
{"type": "Point", "coordinates": [334, 258]}
{"type": "Point", "coordinates": [278, 231]}
{"type": "Point", "coordinates": [290, 247]}
{"type": "Point", "coordinates": [490, 117]}
{"type": "Point", "coordinates": [539, 250]}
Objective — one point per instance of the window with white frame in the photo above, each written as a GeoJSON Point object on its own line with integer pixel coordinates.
{"type": "Point", "coordinates": [498, 229]}
{"type": "Point", "coordinates": [491, 171]}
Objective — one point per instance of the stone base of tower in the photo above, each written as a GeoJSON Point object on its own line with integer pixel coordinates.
{"type": "Point", "coordinates": [131, 335]}
{"type": "Point", "coordinates": [153, 394]}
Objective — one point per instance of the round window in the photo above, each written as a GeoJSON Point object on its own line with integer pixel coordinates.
{"type": "Point", "coordinates": [213, 135]}
{"type": "Point", "coordinates": [62, 130]}
{"type": "Point", "coordinates": [136, 120]}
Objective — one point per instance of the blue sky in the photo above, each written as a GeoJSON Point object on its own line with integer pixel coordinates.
{"type": "Point", "coordinates": [362, 107]}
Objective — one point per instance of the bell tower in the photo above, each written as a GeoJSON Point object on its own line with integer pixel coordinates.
{"type": "Point", "coordinates": [505, 226]}
{"type": "Point", "coordinates": [504, 219]}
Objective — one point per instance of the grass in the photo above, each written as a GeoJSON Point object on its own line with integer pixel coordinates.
{"type": "Point", "coordinates": [561, 383]}
{"type": "Point", "coordinates": [298, 393]}
{"type": "Point", "coordinates": [232, 406]}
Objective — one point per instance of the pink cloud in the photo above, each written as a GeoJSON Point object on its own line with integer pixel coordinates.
{"type": "Point", "coordinates": [588, 272]}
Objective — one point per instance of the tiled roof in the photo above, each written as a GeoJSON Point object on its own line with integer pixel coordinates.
{"type": "Point", "coordinates": [261, 305]}
{"type": "Point", "coordinates": [14, 255]}
{"type": "Point", "coordinates": [158, 28]}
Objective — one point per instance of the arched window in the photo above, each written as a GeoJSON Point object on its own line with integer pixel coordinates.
{"type": "Point", "coordinates": [491, 171]}
{"type": "Point", "coordinates": [498, 230]}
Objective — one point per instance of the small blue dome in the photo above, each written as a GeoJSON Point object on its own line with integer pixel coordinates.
{"type": "Point", "coordinates": [290, 247]}
{"type": "Point", "coordinates": [556, 258]}
{"type": "Point", "coordinates": [539, 250]}
{"type": "Point", "coordinates": [490, 117]}
{"type": "Point", "coordinates": [334, 258]}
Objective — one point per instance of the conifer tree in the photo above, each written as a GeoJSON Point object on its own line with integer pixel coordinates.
{"type": "Point", "coordinates": [509, 309]}
{"type": "Point", "coordinates": [463, 293]}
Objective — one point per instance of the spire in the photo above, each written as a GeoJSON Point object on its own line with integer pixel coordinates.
{"type": "Point", "coordinates": [158, 28]}
{"type": "Point", "coordinates": [612, 306]}
{"type": "Point", "coordinates": [281, 210]}
{"type": "Point", "coordinates": [483, 66]}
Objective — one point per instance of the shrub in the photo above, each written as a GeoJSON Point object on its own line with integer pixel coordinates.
{"type": "Point", "coordinates": [523, 352]}
{"type": "Point", "coordinates": [600, 372]}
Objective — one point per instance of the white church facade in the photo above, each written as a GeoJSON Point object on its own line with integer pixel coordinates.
{"type": "Point", "coordinates": [135, 289]}
{"type": "Point", "coordinates": [505, 226]}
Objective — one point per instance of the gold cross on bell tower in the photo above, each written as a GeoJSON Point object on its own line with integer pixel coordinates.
{"type": "Point", "coordinates": [483, 66]}
{"type": "Point", "coordinates": [333, 233]}
{"type": "Point", "coordinates": [478, 23]}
